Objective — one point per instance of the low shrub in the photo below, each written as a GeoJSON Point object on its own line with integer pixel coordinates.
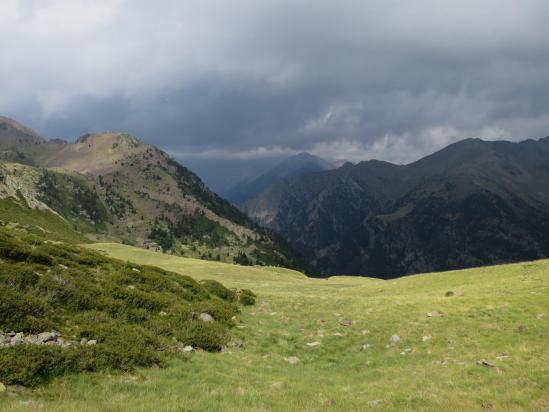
{"type": "Point", "coordinates": [247, 297]}
{"type": "Point", "coordinates": [208, 336]}
{"type": "Point", "coordinates": [217, 289]}
{"type": "Point", "coordinates": [220, 310]}
{"type": "Point", "coordinates": [132, 312]}
{"type": "Point", "coordinates": [22, 312]}
{"type": "Point", "coordinates": [31, 365]}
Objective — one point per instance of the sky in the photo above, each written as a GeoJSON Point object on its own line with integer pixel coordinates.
{"type": "Point", "coordinates": [239, 79]}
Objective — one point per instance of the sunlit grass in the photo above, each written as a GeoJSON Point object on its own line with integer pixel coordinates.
{"type": "Point", "coordinates": [499, 314]}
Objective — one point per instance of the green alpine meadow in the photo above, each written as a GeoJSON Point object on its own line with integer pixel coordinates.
{"type": "Point", "coordinates": [463, 340]}
{"type": "Point", "coordinates": [122, 290]}
{"type": "Point", "coordinates": [274, 206]}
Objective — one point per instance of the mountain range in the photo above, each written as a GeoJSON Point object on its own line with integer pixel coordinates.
{"type": "Point", "coordinates": [292, 166]}
{"type": "Point", "coordinates": [473, 203]}
{"type": "Point", "coordinates": [113, 186]}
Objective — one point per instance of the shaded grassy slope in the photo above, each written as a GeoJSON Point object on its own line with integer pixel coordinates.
{"type": "Point", "coordinates": [499, 314]}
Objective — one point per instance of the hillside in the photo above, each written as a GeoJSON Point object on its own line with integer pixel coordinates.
{"type": "Point", "coordinates": [467, 340]}
{"type": "Point", "coordinates": [66, 310]}
{"type": "Point", "coordinates": [293, 166]}
{"type": "Point", "coordinates": [473, 203]}
{"type": "Point", "coordinates": [115, 186]}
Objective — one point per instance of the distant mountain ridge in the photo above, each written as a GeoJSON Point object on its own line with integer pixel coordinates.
{"type": "Point", "coordinates": [473, 203]}
{"type": "Point", "coordinates": [115, 186]}
{"type": "Point", "coordinates": [293, 166]}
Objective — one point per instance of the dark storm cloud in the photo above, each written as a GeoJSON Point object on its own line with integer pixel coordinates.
{"type": "Point", "coordinates": [349, 79]}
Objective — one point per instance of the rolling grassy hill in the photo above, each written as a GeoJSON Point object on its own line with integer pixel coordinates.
{"type": "Point", "coordinates": [468, 340]}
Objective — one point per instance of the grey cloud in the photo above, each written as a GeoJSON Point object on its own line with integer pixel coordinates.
{"type": "Point", "coordinates": [393, 79]}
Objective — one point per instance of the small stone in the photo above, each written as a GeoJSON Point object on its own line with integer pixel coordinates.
{"type": "Point", "coordinates": [345, 322]}
{"type": "Point", "coordinates": [63, 343]}
{"type": "Point", "coordinates": [293, 360]}
{"type": "Point", "coordinates": [17, 339]}
{"type": "Point", "coordinates": [365, 347]}
{"type": "Point", "coordinates": [425, 338]}
{"type": "Point", "coordinates": [338, 334]}
{"type": "Point", "coordinates": [63, 266]}
{"type": "Point", "coordinates": [206, 317]}
{"type": "Point", "coordinates": [46, 337]}
{"type": "Point", "coordinates": [136, 270]}
{"type": "Point", "coordinates": [313, 344]}
{"type": "Point", "coordinates": [484, 362]}
{"type": "Point", "coordinates": [374, 402]}
{"type": "Point", "coordinates": [365, 332]}
{"type": "Point", "coordinates": [187, 349]}
{"type": "Point", "coordinates": [92, 342]}
{"type": "Point", "coordinates": [84, 341]}
{"type": "Point", "coordinates": [276, 385]}
{"type": "Point", "coordinates": [395, 338]}
{"type": "Point", "coordinates": [33, 340]}
{"type": "Point", "coordinates": [434, 314]}
{"type": "Point", "coordinates": [162, 313]}
{"type": "Point", "coordinates": [239, 343]}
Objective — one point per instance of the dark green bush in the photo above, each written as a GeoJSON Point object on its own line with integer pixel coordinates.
{"type": "Point", "coordinates": [119, 347]}
{"type": "Point", "coordinates": [208, 336]}
{"type": "Point", "coordinates": [133, 312]}
{"type": "Point", "coordinates": [217, 289]}
{"type": "Point", "coordinates": [13, 249]}
{"type": "Point", "coordinates": [18, 277]}
{"type": "Point", "coordinates": [23, 313]}
{"type": "Point", "coordinates": [247, 297]}
{"type": "Point", "coordinates": [31, 365]}
{"type": "Point", "coordinates": [40, 258]}
{"type": "Point", "coordinates": [220, 310]}
{"type": "Point", "coordinates": [135, 298]}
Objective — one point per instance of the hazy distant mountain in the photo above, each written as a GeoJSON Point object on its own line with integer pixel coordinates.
{"type": "Point", "coordinates": [472, 203]}
{"type": "Point", "coordinates": [293, 166]}
{"type": "Point", "coordinates": [115, 186]}
{"type": "Point", "coordinates": [221, 175]}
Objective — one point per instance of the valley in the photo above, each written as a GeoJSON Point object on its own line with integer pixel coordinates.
{"type": "Point", "coordinates": [128, 285]}
{"type": "Point", "coordinates": [274, 206]}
